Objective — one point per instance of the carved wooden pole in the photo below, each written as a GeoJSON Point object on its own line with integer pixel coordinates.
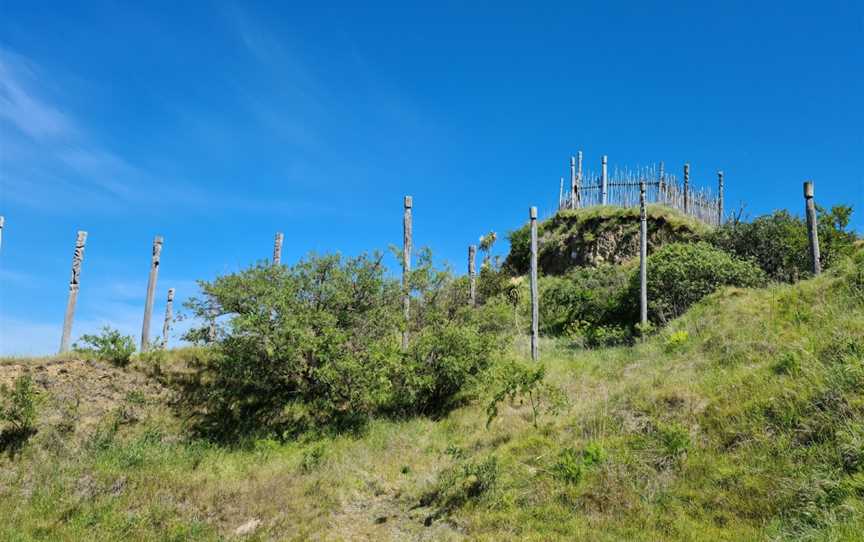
{"type": "Point", "coordinates": [151, 292]}
{"type": "Point", "coordinates": [719, 198]}
{"type": "Point", "coordinates": [603, 181]}
{"type": "Point", "coordinates": [277, 249]}
{"type": "Point", "coordinates": [169, 316]}
{"type": "Point", "coordinates": [573, 185]}
{"type": "Point", "coordinates": [812, 227]}
{"type": "Point", "coordinates": [686, 188]}
{"type": "Point", "coordinates": [535, 309]}
{"type": "Point", "coordinates": [74, 285]}
{"type": "Point", "coordinates": [578, 179]}
{"type": "Point", "coordinates": [406, 268]}
{"type": "Point", "coordinates": [2, 224]}
{"type": "Point", "coordinates": [472, 274]}
{"type": "Point", "coordinates": [643, 259]}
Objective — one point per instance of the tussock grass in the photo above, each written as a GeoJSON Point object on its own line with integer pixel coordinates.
{"type": "Point", "coordinates": [742, 420]}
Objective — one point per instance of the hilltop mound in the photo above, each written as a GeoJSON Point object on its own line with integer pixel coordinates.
{"type": "Point", "coordinates": [589, 237]}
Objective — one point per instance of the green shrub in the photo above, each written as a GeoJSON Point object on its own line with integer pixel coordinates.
{"type": "Point", "coordinates": [590, 296]}
{"type": "Point", "coordinates": [17, 414]}
{"type": "Point", "coordinates": [516, 380]}
{"type": "Point", "coordinates": [108, 346]}
{"type": "Point", "coordinates": [572, 463]}
{"type": "Point", "coordinates": [680, 274]}
{"type": "Point", "coordinates": [18, 405]}
{"type": "Point", "coordinates": [778, 243]}
{"type": "Point", "coordinates": [317, 344]}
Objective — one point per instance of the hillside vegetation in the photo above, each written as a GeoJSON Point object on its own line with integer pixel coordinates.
{"type": "Point", "coordinates": [741, 420]}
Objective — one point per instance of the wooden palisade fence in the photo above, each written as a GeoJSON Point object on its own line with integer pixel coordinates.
{"type": "Point", "coordinates": [622, 187]}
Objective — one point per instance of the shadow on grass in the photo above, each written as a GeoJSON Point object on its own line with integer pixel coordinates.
{"type": "Point", "coordinates": [12, 441]}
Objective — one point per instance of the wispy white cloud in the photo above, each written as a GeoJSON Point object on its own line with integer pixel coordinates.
{"type": "Point", "coordinates": [22, 108]}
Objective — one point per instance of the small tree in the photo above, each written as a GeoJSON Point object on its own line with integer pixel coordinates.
{"type": "Point", "coordinates": [110, 346]}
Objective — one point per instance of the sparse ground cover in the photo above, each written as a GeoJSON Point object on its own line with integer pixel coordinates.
{"type": "Point", "coordinates": [742, 420]}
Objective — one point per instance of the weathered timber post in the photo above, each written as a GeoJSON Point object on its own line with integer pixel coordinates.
{"type": "Point", "coordinates": [686, 188]}
{"type": "Point", "coordinates": [472, 274]}
{"type": "Point", "coordinates": [573, 185]}
{"type": "Point", "coordinates": [643, 259]}
{"type": "Point", "coordinates": [2, 224]}
{"type": "Point", "coordinates": [277, 248]}
{"type": "Point", "coordinates": [74, 285]}
{"type": "Point", "coordinates": [661, 177]}
{"type": "Point", "coordinates": [719, 198]}
{"type": "Point", "coordinates": [151, 292]}
{"type": "Point", "coordinates": [169, 315]}
{"type": "Point", "coordinates": [578, 179]}
{"type": "Point", "coordinates": [812, 227]}
{"type": "Point", "coordinates": [561, 195]}
{"type": "Point", "coordinates": [603, 181]}
{"type": "Point", "coordinates": [406, 268]}
{"type": "Point", "coordinates": [535, 309]}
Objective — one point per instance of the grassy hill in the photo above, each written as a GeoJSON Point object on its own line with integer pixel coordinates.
{"type": "Point", "coordinates": [743, 420]}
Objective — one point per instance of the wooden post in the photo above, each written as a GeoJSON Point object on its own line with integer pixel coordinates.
{"type": "Point", "coordinates": [74, 285]}
{"type": "Point", "coordinates": [812, 227]}
{"type": "Point", "coordinates": [169, 315]}
{"type": "Point", "coordinates": [535, 309]}
{"type": "Point", "coordinates": [603, 181]}
{"type": "Point", "coordinates": [643, 259]}
{"type": "Point", "coordinates": [719, 198]}
{"type": "Point", "coordinates": [151, 292]}
{"type": "Point", "coordinates": [578, 179]}
{"type": "Point", "coordinates": [406, 268]}
{"type": "Point", "coordinates": [686, 188]}
{"type": "Point", "coordinates": [573, 183]}
{"type": "Point", "coordinates": [2, 224]}
{"type": "Point", "coordinates": [277, 249]}
{"type": "Point", "coordinates": [561, 195]}
{"type": "Point", "coordinates": [472, 274]}
{"type": "Point", "coordinates": [661, 177]}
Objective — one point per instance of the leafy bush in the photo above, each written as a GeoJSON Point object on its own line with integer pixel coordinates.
{"type": "Point", "coordinates": [17, 413]}
{"type": "Point", "coordinates": [516, 380]}
{"type": "Point", "coordinates": [317, 344]}
{"type": "Point", "coordinates": [18, 405]}
{"type": "Point", "coordinates": [108, 346]}
{"type": "Point", "coordinates": [572, 463]}
{"type": "Point", "coordinates": [680, 274]}
{"type": "Point", "coordinates": [778, 242]}
{"type": "Point", "coordinates": [590, 296]}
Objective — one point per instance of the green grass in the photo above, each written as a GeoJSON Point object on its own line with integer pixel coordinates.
{"type": "Point", "coordinates": [743, 420]}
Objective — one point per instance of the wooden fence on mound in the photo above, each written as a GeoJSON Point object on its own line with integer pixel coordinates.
{"type": "Point", "coordinates": [622, 186]}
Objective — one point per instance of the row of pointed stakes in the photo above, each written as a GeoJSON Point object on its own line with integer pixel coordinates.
{"type": "Point", "coordinates": [81, 240]}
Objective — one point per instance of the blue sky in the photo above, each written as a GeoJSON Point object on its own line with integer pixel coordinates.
{"type": "Point", "coordinates": [218, 124]}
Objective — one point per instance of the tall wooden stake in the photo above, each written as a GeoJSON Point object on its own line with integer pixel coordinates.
{"type": "Point", "coordinates": [2, 224]}
{"type": "Point", "coordinates": [661, 177]}
{"type": "Point", "coordinates": [603, 181]}
{"type": "Point", "coordinates": [812, 227]}
{"type": "Point", "coordinates": [169, 316]}
{"type": "Point", "coordinates": [535, 308]}
{"type": "Point", "coordinates": [151, 292]}
{"type": "Point", "coordinates": [74, 285]}
{"type": "Point", "coordinates": [686, 188]}
{"type": "Point", "coordinates": [719, 198]}
{"type": "Point", "coordinates": [573, 186]}
{"type": "Point", "coordinates": [277, 249]}
{"type": "Point", "coordinates": [643, 259]}
{"type": "Point", "coordinates": [406, 268]}
{"type": "Point", "coordinates": [472, 274]}
{"type": "Point", "coordinates": [578, 179]}
{"type": "Point", "coordinates": [561, 194]}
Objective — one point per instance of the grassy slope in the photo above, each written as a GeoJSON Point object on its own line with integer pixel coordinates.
{"type": "Point", "coordinates": [747, 426]}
